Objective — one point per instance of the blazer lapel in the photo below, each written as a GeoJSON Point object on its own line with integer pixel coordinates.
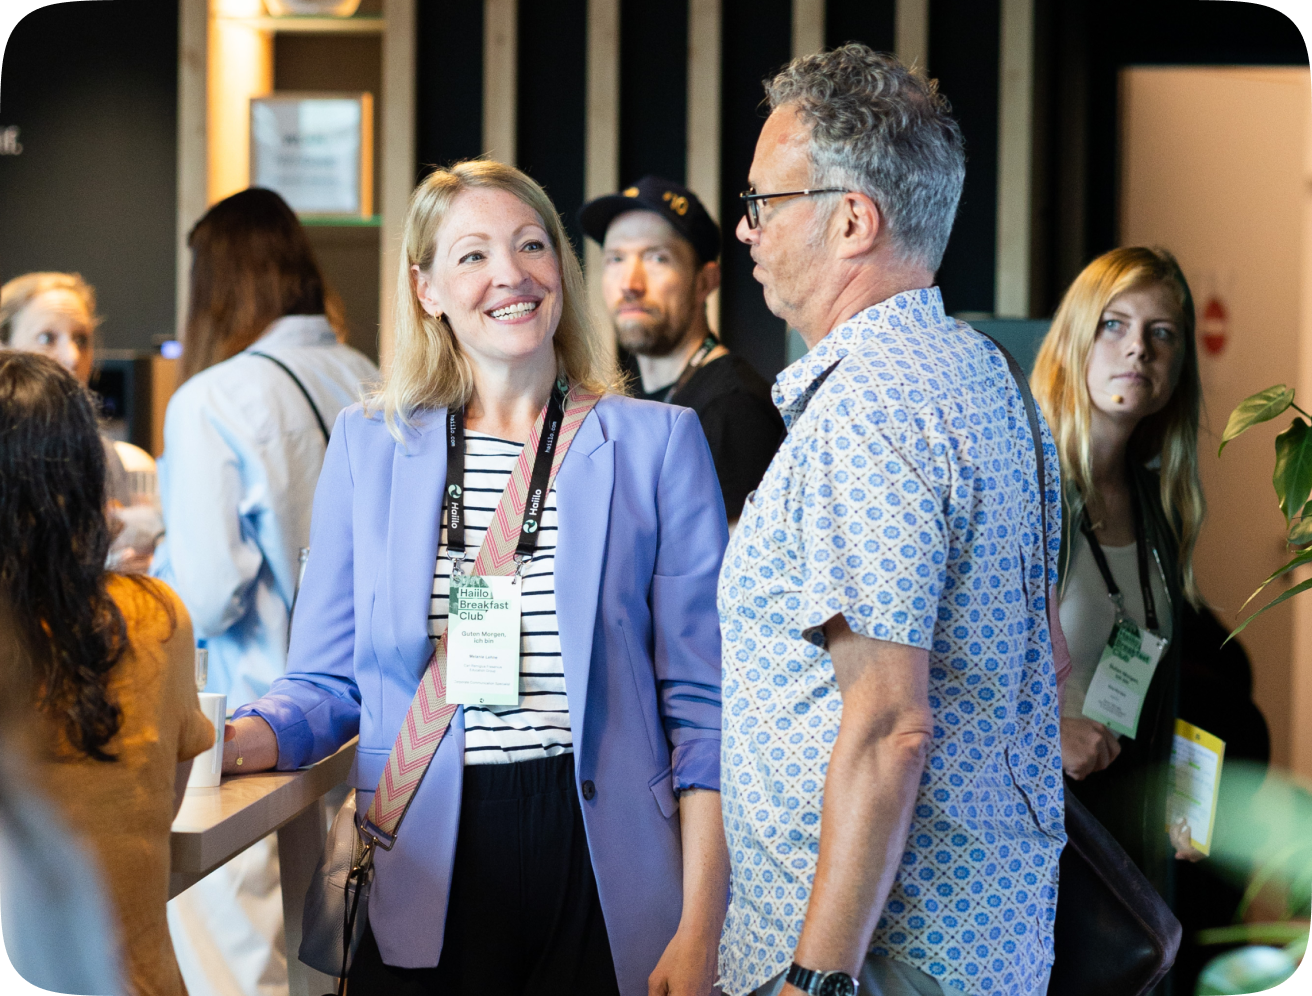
{"type": "Point", "coordinates": [583, 490]}
{"type": "Point", "coordinates": [414, 526]}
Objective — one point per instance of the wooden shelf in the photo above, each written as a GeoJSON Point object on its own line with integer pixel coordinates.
{"type": "Point", "coordinates": [314, 25]}
{"type": "Point", "coordinates": [340, 221]}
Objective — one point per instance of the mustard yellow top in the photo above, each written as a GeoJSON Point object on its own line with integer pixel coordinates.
{"type": "Point", "coordinates": [122, 811]}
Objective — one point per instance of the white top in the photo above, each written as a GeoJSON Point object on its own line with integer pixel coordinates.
{"type": "Point", "coordinates": [539, 725]}
{"type": "Point", "coordinates": [1087, 613]}
{"type": "Point", "coordinates": [242, 453]}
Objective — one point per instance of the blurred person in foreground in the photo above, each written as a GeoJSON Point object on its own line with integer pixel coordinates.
{"type": "Point", "coordinates": [54, 314]}
{"type": "Point", "coordinates": [567, 839]}
{"type": "Point", "coordinates": [264, 376]}
{"type": "Point", "coordinates": [1117, 378]}
{"type": "Point", "coordinates": [59, 933]}
{"type": "Point", "coordinates": [659, 252]}
{"type": "Point", "coordinates": [892, 773]}
{"type": "Point", "coordinates": [110, 657]}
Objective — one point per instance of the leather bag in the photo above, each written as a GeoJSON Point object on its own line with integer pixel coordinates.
{"type": "Point", "coordinates": [1114, 935]}
{"type": "Point", "coordinates": [332, 893]}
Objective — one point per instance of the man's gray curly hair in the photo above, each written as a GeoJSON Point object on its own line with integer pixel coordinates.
{"type": "Point", "coordinates": [885, 131]}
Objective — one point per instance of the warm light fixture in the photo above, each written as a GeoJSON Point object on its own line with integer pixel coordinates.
{"type": "Point", "coordinates": [314, 8]}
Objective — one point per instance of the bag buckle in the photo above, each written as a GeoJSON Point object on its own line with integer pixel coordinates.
{"type": "Point", "coordinates": [372, 835]}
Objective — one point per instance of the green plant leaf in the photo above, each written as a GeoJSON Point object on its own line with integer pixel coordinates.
{"type": "Point", "coordinates": [1260, 407]}
{"type": "Point", "coordinates": [1297, 948]}
{"type": "Point", "coordinates": [1292, 478]}
{"type": "Point", "coordinates": [1301, 558]}
{"type": "Point", "coordinates": [1300, 587]}
{"type": "Point", "coordinates": [1282, 932]}
{"type": "Point", "coordinates": [1300, 530]}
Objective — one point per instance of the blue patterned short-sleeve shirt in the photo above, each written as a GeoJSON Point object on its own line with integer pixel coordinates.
{"type": "Point", "coordinates": [905, 498]}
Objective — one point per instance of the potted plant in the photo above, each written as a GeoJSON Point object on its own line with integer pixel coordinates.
{"type": "Point", "coordinates": [1280, 844]}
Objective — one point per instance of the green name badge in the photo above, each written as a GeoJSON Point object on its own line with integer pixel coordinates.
{"type": "Point", "coordinates": [482, 640]}
{"type": "Point", "coordinates": [1125, 670]}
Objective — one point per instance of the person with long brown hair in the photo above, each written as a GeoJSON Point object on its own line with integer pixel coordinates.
{"type": "Point", "coordinates": [244, 438]}
{"type": "Point", "coordinates": [109, 659]}
{"type": "Point", "coordinates": [1117, 378]}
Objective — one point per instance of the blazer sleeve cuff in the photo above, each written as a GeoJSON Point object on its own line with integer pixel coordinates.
{"type": "Point", "coordinates": [295, 738]}
{"type": "Point", "coordinates": [697, 764]}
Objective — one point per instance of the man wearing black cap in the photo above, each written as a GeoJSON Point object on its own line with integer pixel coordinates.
{"type": "Point", "coordinates": [659, 251]}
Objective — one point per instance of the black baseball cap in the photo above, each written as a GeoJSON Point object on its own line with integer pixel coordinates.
{"type": "Point", "coordinates": [676, 204]}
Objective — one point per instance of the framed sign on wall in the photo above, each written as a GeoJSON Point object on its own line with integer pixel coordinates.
{"type": "Point", "coordinates": [315, 150]}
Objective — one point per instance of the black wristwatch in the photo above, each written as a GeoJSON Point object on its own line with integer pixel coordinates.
{"type": "Point", "coordinates": [821, 983]}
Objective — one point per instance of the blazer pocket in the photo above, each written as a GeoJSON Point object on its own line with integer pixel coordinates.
{"type": "Point", "coordinates": [644, 686]}
{"type": "Point", "coordinates": [662, 787]}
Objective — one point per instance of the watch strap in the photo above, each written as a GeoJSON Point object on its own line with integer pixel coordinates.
{"type": "Point", "coordinates": [802, 978]}
{"type": "Point", "coordinates": [810, 981]}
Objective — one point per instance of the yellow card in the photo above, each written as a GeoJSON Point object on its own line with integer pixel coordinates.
{"type": "Point", "coordinates": [1196, 758]}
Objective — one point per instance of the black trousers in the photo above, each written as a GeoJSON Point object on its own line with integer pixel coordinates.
{"type": "Point", "coordinates": [523, 918]}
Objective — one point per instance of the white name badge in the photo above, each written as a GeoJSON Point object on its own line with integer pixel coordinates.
{"type": "Point", "coordinates": [482, 640]}
{"type": "Point", "coordinates": [1115, 696]}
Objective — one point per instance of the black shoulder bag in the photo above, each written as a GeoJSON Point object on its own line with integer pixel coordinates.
{"type": "Point", "coordinates": [1114, 933]}
{"type": "Point", "coordinates": [323, 428]}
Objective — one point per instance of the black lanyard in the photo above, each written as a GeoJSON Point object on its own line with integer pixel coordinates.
{"type": "Point", "coordinates": [1141, 548]}
{"type": "Point", "coordinates": [698, 358]}
{"type": "Point", "coordinates": [534, 503]}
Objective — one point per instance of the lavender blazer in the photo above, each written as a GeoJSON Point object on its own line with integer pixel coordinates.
{"type": "Point", "coordinates": [641, 535]}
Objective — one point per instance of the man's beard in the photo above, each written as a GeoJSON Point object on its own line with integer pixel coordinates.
{"type": "Point", "coordinates": [651, 338]}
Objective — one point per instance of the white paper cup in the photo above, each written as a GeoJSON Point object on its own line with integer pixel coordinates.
{"type": "Point", "coordinates": [207, 767]}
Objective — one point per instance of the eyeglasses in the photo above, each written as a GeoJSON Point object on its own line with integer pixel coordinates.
{"type": "Point", "coordinates": [751, 200]}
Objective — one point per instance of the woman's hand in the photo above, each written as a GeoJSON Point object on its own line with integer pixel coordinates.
{"type": "Point", "coordinates": [687, 968]}
{"type": "Point", "coordinates": [253, 741]}
{"type": "Point", "coordinates": [1182, 839]}
{"type": "Point", "coordinates": [1086, 746]}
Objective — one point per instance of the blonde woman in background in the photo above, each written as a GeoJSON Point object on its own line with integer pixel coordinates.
{"type": "Point", "coordinates": [54, 314]}
{"type": "Point", "coordinates": [1117, 378]}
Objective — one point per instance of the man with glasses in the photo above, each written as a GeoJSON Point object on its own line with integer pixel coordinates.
{"type": "Point", "coordinates": [659, 255]}
{"type": "Point", "coordinates": [890, 761]}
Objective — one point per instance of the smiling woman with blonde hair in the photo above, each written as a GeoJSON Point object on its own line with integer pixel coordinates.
{"type": "Point", "coordinates": [1117, 378]}
{"type": "Point", "coordinates": [567, 836]}
{"type": "Point", "coordinates": [428, 368]}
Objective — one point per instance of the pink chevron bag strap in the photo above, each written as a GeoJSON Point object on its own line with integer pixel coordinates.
{"type": "Point", "coordinates": [430, 714]}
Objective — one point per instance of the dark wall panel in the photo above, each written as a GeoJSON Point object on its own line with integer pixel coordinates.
{"type": "Point", "coordinates": [93, 89]}
{"type": "Point", "coordinates": [868, 21]}
{"type": "Point", "coordinates": [552, 125]}
{"type": "Point", "coordinates": [757, 43]}
{"type": "Point", "coordinates": [1165, 32]}
{"type": "Point", "coordinates": [1082, 46]}
{"type": "Point", "coordinates": [653, 90]}
{"type": "Point", "coordinates": [449, 82]}
{"type": "Point", "coordinates": [963, 56]}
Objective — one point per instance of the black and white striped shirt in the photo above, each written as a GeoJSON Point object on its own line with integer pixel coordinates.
{"type": "Point", "coordinates": [539, 725]}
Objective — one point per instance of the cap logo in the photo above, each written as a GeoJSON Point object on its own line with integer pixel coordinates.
{"type": "Point", "coordinates": [631, 192]}
{"type": "Point", "coordinates": [678, 203]}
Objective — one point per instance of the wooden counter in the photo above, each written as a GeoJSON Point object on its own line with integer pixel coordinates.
{"type": "Point", "coordinates": [216, 824]}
